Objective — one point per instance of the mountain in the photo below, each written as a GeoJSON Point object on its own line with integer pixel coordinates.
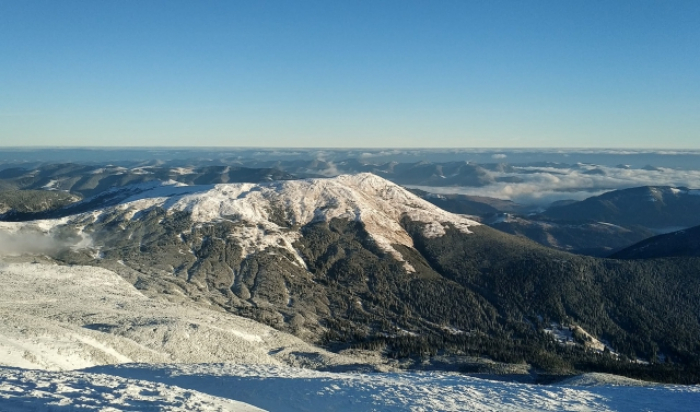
{"type": "Point", "coordinates": [656, 207]}
{"type": "Point", "coordinates": [592, 239]}
{"type": "Point", "coordinates": [471, 205]}
{"type": "Point", "coordinates": [357, 262]}
{"type": "Point", "coordinates": [436, 174]}
{"type": "Point", "coordinates": [682, 243]}
{"type": "Point", "coordinates": [15, 202]}
{"type": "Point", "coordinates": [573, 235]}
{"type": "Point", "coordinates": [421, 173]}
{"type": "Point", "coordinates": [90, 180]}
{"type": "Point", "coordinates": [597, 226]}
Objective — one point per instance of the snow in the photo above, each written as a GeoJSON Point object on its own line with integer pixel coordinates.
{"type": "Point", "coordinates": [502, 218]}
{"type": "Point", "coordinates": [50, 185]}
{"type": "Point", "coordinates": [433, 229]}
{"type": "Point", "coordinates": [134, 352]}
{"type": "Point", "coordinates": [281, 388]}
{"type": "Point", "coordinates": [377, 203]}
{"type": "Point", "coordinates": [561, 335]}
{"type": "Point", "coordinates": [182, 170]}
{"type": "Point", "coordinates": [564, 335]}
{"type": "Point", "coordinates": [24, 390]}
{"type": "Point", "coordinates": [64, 318]}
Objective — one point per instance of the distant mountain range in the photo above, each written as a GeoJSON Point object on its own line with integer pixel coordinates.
{"type": "Point", "coordinates": [88, 180]}
{"type": "Point", "coordinates": [597, 226]}
{"type": "Point", "coordinates": [660, 208]}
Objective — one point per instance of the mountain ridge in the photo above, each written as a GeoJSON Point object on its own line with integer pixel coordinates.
{"type": "Point", "coordinates": [316, 262]}
{"type": "Point", "coordinates": [682, 243]}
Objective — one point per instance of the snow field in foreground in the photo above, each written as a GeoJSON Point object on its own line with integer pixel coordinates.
{"type": "Point", "coordinates": [61, 318]}
{"type": "Point", "coordinates": [210, 387]}
{"type": "Point", "coordinates": [25, 390]}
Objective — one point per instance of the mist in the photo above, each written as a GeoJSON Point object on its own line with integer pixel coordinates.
{"type": "Point", "coordinates": [37, 244]}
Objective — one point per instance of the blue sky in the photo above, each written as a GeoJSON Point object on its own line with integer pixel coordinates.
{"type": "Point", "coordinates": [350, 73]}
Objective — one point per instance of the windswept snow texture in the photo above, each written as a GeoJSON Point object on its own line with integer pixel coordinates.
{"type": "Point", "coordinates": [281, 388]}
{"type": "Point", "coordinates": [61, 318]}
{"type": "Point", "coordinates": [30, 390]}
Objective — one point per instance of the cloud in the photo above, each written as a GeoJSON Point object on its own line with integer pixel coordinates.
{"type": "Point", "coordinates": [36, 243]}
{"type": "Point", "coordinates": [499, 156]}
{"type": "Point", "coordinates": [543, 185]}
{"type": "Point", "coordinates": [330, 171]}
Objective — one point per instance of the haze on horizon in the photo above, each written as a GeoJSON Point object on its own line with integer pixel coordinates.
{"type": "Point", "coordinates": [350, 74]}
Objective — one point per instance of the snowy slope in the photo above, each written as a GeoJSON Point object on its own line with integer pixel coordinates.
{"type": "Point", "coordinates": [31, 390]}
{"type": "Point", "coordinates": [67, 317]}
{"type": "Point", "coordinates": [60, 318]}
{"type": "Point", "coordinates": [208, 387]}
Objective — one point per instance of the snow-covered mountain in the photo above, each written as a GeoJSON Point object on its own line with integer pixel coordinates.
{"type": "Point", "coordinates": [358, 263]}
{"type": "Point", "coordinates": [269, 213]}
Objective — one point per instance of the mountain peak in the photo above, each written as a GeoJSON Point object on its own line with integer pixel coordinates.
{"type": "Point", "coordinates": [275, 207]}
{"type": "Point", "coordinates": [271, 214]}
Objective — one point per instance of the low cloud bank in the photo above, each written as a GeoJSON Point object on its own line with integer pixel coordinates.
{"type": "Point", "coordinates": [543, 185]}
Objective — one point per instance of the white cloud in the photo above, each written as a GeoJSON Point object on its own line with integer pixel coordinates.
{"type": "Point", "coordinates": [543, 185]}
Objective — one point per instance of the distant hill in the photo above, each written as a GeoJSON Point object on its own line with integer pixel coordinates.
{"type": "Point", "coordinates": [593, 239]}
{"type": "Point", "coordinates": [89, 180]}
{"type": "Point", "coordinates": [33, 201]}
{"type": "Point", "coordinates": [471, 205]}
{"type": "Point", "coordinates": [681, 243]}
{"type": "Point", "coordinates": [597, 226]}
{"type": "Point", "coordinates": [655, 207]}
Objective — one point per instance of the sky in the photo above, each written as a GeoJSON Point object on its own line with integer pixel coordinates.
{"type": "Point", "coordinates": [350, 73]}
